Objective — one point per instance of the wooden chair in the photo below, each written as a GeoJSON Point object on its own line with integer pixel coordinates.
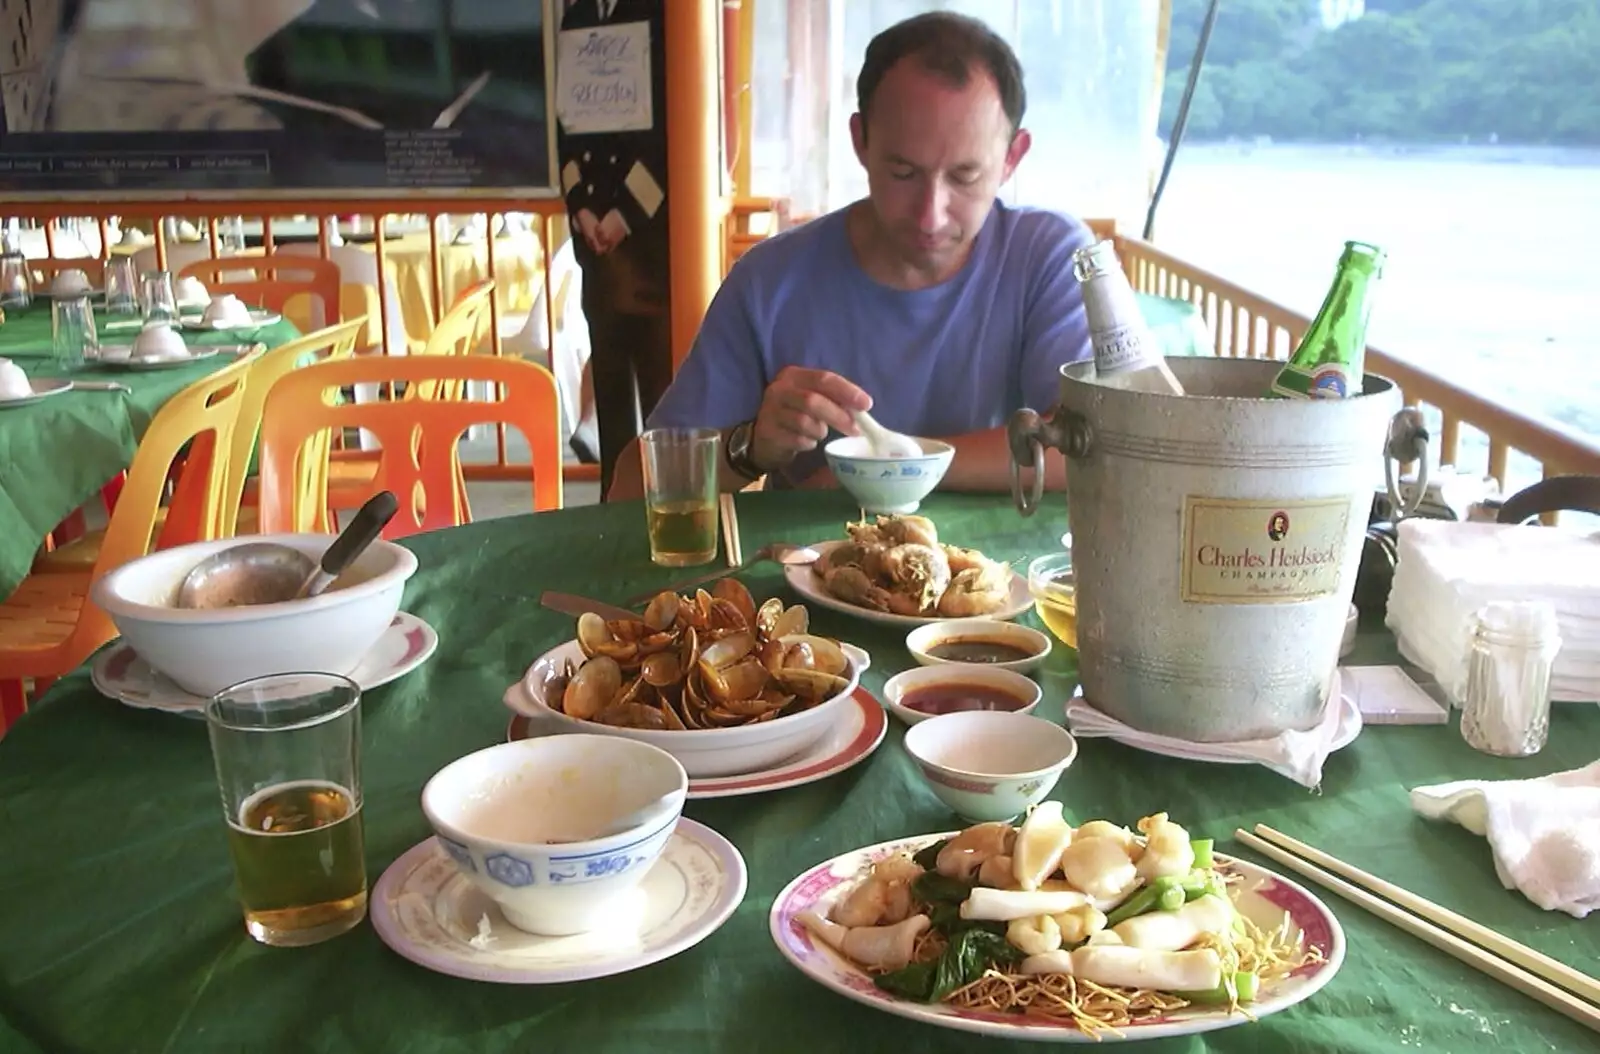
{"type": "Point", "coordinates": [278, 279]}
{"type": "Point", "coordinates": [418, 459]}
{"type": "Point", "coordinates": [48, 627]}
{"type": "Point", "coordinates": [1556, 494]}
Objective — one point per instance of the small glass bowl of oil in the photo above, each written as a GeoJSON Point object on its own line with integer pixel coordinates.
{"type": "Point", "coordinates": [1055, 595]}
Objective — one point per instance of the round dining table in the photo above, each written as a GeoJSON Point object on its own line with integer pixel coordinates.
{"type": "Point", "coordinates": [119, 931]}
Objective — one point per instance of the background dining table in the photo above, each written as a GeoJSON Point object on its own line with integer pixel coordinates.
{"type": "Point", "coordinates": [57, 453]}
{"type": "Point", "coordinates": [119, 932]}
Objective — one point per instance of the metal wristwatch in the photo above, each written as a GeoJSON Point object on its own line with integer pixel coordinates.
{"type": "Point", "coordinates": [738, 451]}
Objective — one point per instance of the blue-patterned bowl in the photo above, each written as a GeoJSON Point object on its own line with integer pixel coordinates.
{"type": "Point", "coordinates": [888, 485]}
{"type": "Point", "coordinates": [520, 820]}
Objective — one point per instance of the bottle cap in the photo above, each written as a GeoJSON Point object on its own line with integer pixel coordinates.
{"type": "Point", "coordinates": [1099, 258]}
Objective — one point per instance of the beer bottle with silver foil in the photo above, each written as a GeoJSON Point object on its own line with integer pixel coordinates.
{"type": "Point", "coordinates": [1329, 362]}
{"type": "Point", "coordinates": [1126, 354]}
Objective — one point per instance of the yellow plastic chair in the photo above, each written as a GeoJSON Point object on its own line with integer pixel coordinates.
{"type": "Point", "coordinates": [350, 473]}
{"type": "Point", "coordinates": [81, 554]}
{"type": "Point", "coordinates": [48, 627]}
{"type": "Point", "coordinates": [418, 459]}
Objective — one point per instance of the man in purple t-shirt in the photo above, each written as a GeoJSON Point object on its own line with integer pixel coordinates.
{"type": "Point", "coordinates": [930, 303]}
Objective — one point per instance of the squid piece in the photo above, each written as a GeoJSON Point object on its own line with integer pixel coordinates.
{"type": "Point", "coordinates": [884, 897]}
{"type": "Point", "coordinates": [1119, 966]}
{"type": "Point", "coordinates": [881, 947]}
{"type": "Point", "coordinates": [1171, 931]}
{"type": "Point", "coordinates": [1043, 837]}
{"type": "Point", "coordinates": [965, 853]}
{"type": "Point", "coordinates": [1034, 936]}
{"type": "Point", "coordinates": [1101, 867]}
{"type": "Point", "coordinates": [1167, 849]}
{"type": "Point", "coordinates": [1003, 905]}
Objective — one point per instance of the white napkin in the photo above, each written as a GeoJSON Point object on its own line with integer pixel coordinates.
{"type": "Point", "coordinates": [1545, 833]}
{"type": "Point", "coordinates": [1295, 754]}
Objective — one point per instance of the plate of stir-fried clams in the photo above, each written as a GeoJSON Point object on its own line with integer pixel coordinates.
{"type": "Point", "coordinates": [897, 570]}
{"type": "Point", "coordinates": [1047, 931]}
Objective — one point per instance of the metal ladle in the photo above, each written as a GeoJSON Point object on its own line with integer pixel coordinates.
{"type": "Point", "coordinates": [270, 572]}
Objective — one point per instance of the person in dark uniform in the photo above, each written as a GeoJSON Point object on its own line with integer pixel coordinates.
{"type": "Point", "coordinates": [615, 189]}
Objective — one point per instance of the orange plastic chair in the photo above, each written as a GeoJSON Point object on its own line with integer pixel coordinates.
{"type": "Point", "coordinates": [350, 473]}
{"type": "Point", "coordinates": [45, 268]}
{"type": "Point", "coordinates": [48, 627]}
{"type": "Point", "coordinates": [418, 459]}
{"type": "Point", "coordinates": [272, 287]}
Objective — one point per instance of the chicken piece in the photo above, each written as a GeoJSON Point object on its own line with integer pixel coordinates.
{"type": "Point", "coordinates": [1167, 850]}
{"type": "Point", "coordinates": [1079, 924]}
{"type": "Point", "coordinates": [1100, 867]}
{"type": "Point", "coordinates": [908, 530]}
{"type": "Point", "coordinates": [997, 871]}
{"type": "Point", "coordinates": [963, 559]}
{"type": "Point", "coordinates": [877, 947]}
{"type": "Point", "coordinates": [852, 585]}
{"type": "Point", "coordinates": [919, 572]}
{"type": "Point", "coordinates": [883, 898]}
{"type": "Point", "coordinates": [1035, 935]}
{"type": "Point", "coordinates": [976, 591]}
{"type": "Point", "coordinates": [965, 853]}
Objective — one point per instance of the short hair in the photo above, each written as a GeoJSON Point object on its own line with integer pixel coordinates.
{"type": "Point", "coordinates": [946, 45]}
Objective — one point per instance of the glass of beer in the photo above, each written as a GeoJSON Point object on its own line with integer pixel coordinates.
{"type": "Point", "coordinates": [680, 494]}
{"type": "Point", "coordinates": [1055, 595]}
{"type": "Point", "coordinates": [288, 755]}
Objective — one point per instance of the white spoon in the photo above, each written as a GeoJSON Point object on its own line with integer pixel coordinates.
{"type": "Point", "coordinates": [884, 443]}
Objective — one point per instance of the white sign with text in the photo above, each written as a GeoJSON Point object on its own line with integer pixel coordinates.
{"type": "Point", "coordinates": [603, 79]}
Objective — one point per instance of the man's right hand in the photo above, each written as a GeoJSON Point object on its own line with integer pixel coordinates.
{"type": "Point", "coordinates": [797, 410]}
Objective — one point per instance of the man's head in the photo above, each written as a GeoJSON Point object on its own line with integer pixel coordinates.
{"type": "Point", "coordinates": [939, 129]}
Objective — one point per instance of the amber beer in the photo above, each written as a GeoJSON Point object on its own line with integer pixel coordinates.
{"type": "Point", "coordinates": [297, 856]}
{"type": "Point", "coordinates": [287, 753]}
{"type": "Point", "coordinates": [680, 494]}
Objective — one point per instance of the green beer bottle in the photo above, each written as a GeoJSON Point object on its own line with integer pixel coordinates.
{"type": "Point", "coordinates": [1328, 362]}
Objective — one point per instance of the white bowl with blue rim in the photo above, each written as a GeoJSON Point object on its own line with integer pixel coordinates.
{"type": "Point", "coordinates": [558, 831]}
{"type": "Point", "coordinates": [888, 485]}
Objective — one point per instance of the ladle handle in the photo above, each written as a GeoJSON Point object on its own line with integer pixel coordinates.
{"type": "Point", "coordinates": [364, 527]}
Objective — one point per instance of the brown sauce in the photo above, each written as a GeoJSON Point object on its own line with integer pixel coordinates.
{"type": "Point", "coordinates": [955, 697]}
{"type": "Point", "coordinates": [976, 649]}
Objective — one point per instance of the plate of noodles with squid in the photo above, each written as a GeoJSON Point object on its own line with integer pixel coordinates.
{"type": "Point", "coordinates": [1046, 931]}
{"type": "Point", "coordinates": [897, 570]}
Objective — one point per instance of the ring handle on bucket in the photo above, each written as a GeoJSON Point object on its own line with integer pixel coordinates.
{"type": "Point", "coordinates": [1028, 435]}
{"type": "Point", "coordinates": [1408, 441]}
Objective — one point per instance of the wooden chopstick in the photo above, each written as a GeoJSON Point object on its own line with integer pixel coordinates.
{"type": "Point", "coordinates": [1557, 973]}
{"type": "Point", "coordinates": [1500, 969]}
{"type": "Point", "coordinates": [730, 530]}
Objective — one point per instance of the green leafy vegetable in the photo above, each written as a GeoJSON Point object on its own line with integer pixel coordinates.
{"type": "Point", "coordinates": [969, 954]}
{"type": "Point", "coordinates": [929, 857]}
{"type": "Point", "coordinates": [930, 887]}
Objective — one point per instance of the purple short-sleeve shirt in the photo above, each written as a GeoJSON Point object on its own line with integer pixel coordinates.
{"type": "Point", "coordinates": [953, 358]}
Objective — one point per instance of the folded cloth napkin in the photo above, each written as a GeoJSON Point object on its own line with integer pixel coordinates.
{"type": "Point", "coordinates": [1296, 754]}
{"type": "Point", "coordinates": [1545, 833]}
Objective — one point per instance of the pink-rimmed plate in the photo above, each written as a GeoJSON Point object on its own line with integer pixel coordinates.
{"type": "Point", "coordinates": [1262, 896]}
{"type": "Point", "coordinates": [849, 741]}
{"type": "Point", "coordinates": [428, 911]}
{"type": "Point", "coordinates": [119, 673]}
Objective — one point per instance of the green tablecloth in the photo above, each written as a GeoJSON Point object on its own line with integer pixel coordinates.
{"type": "Point", "coordinates": [56, 454]}
{"type": "Point", "coordinates": [118, 931]}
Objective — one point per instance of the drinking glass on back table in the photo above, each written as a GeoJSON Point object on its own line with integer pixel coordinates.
{"type": "Point", "coordinates": [159, 302]}
{"type": "Point", "coordinates": [680, 494]}
{"type": "Point", "coordinates": [122, 286]}
{"type": "Point", "coordinates": [72, 333]}
{"type": "Point", "coordinates": [288, 756]}
{"type": "Point", "coordinates": [16, 285]}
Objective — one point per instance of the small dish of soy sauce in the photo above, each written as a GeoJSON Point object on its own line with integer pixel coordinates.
{"type": "Point", "coordinates": [979, 642]}
{"type": "Point", "coordinates": [952, 688]}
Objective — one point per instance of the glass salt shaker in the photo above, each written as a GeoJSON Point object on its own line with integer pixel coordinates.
{"type": "Point", "coordinates": [1506, 709]}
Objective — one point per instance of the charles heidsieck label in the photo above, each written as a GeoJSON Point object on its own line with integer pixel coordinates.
{"type": "Point", "coordinates": [1252, 551]}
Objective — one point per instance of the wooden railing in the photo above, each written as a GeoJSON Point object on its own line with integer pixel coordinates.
{"type": "Point", "coordinates": [1244, 324]}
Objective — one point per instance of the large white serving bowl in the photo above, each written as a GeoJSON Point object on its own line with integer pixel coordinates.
{"type": "Point", "coordinates": [206, 651]}
{"type": "Point", "coordinates": [521, 821]}
{"type": "Point", "coordinates": [704, 752]}
{"type": "Point", "coordinates": [888, 485]}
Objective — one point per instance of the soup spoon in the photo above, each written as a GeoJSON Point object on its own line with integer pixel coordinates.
{"type": "Point", "coordinates": [885, 443]}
